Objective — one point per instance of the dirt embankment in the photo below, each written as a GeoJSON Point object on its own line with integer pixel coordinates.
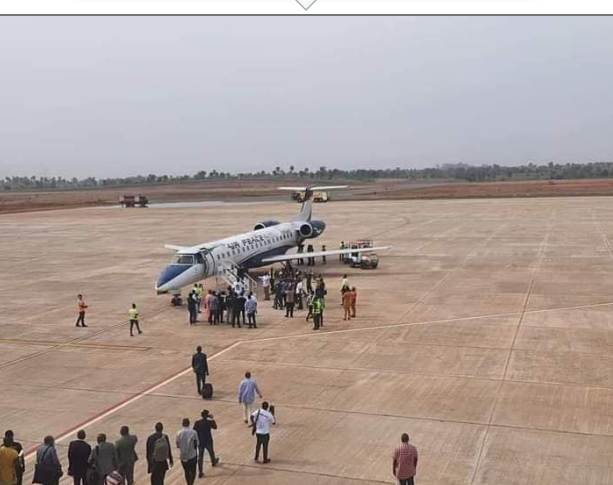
{"type": "Point", "coordinates": [541, 188]}
{"type": "Point", "coordinates": [16, 201]}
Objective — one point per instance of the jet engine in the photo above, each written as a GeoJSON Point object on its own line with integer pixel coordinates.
{"type": "Point", "coordinates": [311, 229]}
{"type": "Point", "coordinates": [264, 224]}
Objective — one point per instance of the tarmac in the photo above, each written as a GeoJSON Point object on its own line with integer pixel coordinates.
{"type": "Point", "coordinates": [486, 334]}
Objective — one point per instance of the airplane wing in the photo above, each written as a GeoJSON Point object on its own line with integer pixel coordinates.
{"type": "Point", "coordinates": [318, 254]}
{"type": "Point", "coordinates": [323, 187]}
{"type": "Point", "coordinates": [176, 248]}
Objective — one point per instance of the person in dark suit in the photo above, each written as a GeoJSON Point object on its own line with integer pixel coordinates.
{"type": "Point", "coordinates": [201, 368]}
{"type": "Point", "coordinates": [205, 440]}
{"type": "Point", "coordinates": [125, 447]}
{"type": "Point", "coordinates": [78, 454]}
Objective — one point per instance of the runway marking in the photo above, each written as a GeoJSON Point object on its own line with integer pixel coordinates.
{"type": "Point", "coordinates": [77, 339]}
{"type": "Point", "coordinates": [126, 402]}
{"type": "Point", "coordinates": [72, 345]}
{"type": "Point", "coordinates": [535, 271]}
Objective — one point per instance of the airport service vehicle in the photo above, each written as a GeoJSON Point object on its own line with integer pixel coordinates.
{"type": "Point", "coordinates": [364, 260]}
{"type": "Point", "coordinates": [318, 196]}
{"type": "Point", "coordinates": [232, 257]}
{"type": "Point", "coordinates": [133, 201]}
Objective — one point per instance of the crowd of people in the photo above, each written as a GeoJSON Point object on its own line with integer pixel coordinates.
{"type": "Point", "coordinates": [232, 306]}
{"type": "Point", "coordinates": [290, 290]}
{"type": "Point", "coordinates": [108, 463]}
{"type": "Point", "coordinates": [113, 463]}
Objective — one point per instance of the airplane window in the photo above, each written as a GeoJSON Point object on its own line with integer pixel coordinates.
{"type": "Point", "coordinates": [184, 259]}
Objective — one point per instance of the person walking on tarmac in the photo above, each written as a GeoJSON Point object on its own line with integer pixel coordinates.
{"type": "Point", "coordinates": [134, 314]}
{"type": "Point", "coordinates": [346, 304]}
{"type": "Point", "coordinates": [341, 246]}
{"type": "Point", "coordinates": [354, 297]}
{"type": "Point", "coordinates": [317, 311]}
{"type": "Point", "coordinates": [310, 260]}
{"type": "Point", "coordinates": [300, 251]}
{"type": "Point", "coordinates": [192, 307]}
{"type": "Point", "coordinates": [81, 307]}
{"type": "Point", "coordinates": [323, 258]}
{"type": "Point", "coordinates": [309, 302]}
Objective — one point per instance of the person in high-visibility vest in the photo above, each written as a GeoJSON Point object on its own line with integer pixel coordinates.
{"type": "Point", "coordinates": [133, 314]}
{"type": "Point", "coordinates": [317, 311]}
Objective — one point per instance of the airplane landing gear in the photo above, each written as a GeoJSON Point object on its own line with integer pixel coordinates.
{"type": "Point", "coordinates": [176, 299]}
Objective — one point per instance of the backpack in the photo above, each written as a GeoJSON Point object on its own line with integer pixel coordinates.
{"type": "Point", "coordinates": [161, 449]}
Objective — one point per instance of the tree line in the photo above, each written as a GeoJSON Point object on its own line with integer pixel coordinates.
{"type": "Point", "coordinates": [448, 172]}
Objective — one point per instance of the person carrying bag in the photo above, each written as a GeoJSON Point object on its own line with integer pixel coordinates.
{"type": "Point", "coordinates": [48, 469]}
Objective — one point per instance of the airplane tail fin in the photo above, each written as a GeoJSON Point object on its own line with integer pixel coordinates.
{"type": "Point", "coordinates": [307, 205]}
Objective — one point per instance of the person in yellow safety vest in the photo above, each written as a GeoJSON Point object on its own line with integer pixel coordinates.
{"type": "Point", "coordinates": [133, 314]}
{"type": "Point", "coordinates": [200, 293]}
{"type": "Point", "coordinates": [318, 307]}
{"type": "Point", "coordinates": [341, 246]}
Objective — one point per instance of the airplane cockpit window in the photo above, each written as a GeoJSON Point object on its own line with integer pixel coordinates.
{"type": "Point", "coordinates": [184, 259]}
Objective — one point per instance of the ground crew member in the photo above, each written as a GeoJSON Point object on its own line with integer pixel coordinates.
{"type": "Point", "coordinates": [309, 303]}
{"type": "Point", "coordinates": [133, 314]}
{"type": "Point", "coordinates": [346, 304]}
{"type": "Point", "coordinates": [354, 297]}
{"type": "Point", "coordinates": [323, 258]}
{"type": "Point", "coordinates": [341, 246]}
{"type": "Point", "coordinates": [81, 307]}
{"type": "Point", "coordinates": [317, 310]}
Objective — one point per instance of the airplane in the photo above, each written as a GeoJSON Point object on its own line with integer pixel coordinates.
{"type": "Point", "coordinates": [267, 244]}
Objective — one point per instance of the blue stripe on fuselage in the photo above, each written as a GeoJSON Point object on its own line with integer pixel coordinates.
{"type": "Point", "coordinates": [255, 261]}
{"type": "Point", "coordinates": [170, 272]}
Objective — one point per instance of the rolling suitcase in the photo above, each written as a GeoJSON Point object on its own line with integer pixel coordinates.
{"type": "Point", "coordinates": [207, 391]}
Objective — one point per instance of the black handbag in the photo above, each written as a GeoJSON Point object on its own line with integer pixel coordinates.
{"type": "Point", "coordinates": [254, 425]}
{"type": "Point", "coordinates": [45, 473]}
{"type": "Point", "coordinates": [93, 473]}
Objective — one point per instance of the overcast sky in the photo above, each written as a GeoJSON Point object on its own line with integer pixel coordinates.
{"type": "Point", "coordinates": [116, 96]}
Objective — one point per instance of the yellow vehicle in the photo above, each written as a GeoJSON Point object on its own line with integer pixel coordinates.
{"type": "Point", "coordinates": [318, 196]}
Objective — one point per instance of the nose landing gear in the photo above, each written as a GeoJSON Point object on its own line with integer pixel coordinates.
{"type": "Point", "coordinates": [176, 299]}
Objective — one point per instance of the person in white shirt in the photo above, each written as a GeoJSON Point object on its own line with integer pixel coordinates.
{"type": "Point", "coordinates": [251, 307]}
{"type": "Point", "coordinates": [261, 420]}
{"type": "Point", "coordinates": [187, 442]}
{"type": "Point", "coordinates": [266, 285]}
{"type": "Point", "coordinates": [239, 288]}
{"type": "Point", "coordinates": [299, 295]}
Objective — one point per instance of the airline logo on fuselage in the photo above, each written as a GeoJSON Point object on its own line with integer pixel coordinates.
{"type": "Point", "coordinates": [258, 238]}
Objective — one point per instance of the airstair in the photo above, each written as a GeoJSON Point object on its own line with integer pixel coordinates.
{"type": "Point", "coordinates": [229, 272]}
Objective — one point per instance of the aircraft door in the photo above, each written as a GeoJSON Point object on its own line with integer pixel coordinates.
{"type": "Point", "coordinates": [210, 268]}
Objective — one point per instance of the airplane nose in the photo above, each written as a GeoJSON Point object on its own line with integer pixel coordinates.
{"type": "Point", "coordinates": [164, 281]}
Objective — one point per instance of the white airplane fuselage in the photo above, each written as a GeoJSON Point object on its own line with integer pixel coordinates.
{"type": "Point", "coordinates": [244, 250]}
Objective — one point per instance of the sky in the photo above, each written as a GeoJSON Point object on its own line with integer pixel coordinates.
{"type": "Point", "coordinates": [120, 96]}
